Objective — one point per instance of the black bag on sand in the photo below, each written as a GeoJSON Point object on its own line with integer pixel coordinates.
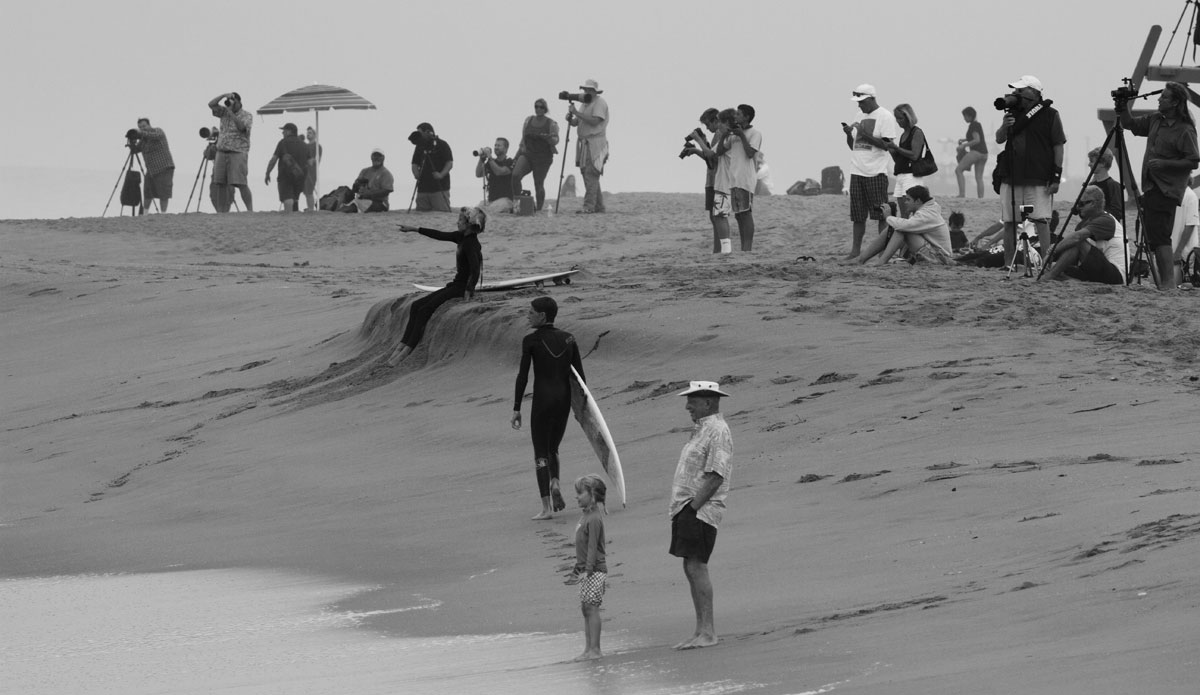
{"type": "Point", "coordinates": [335, 199]}
{"type": "Point", "coordinates": [832, 180]}
{"type": "Point", "coordinates": [131, 192]}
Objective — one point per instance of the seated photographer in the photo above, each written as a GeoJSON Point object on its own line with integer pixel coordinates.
{"type": "Point", "coordinates": [1095, 250]}
{"type": "Point", "coordinates": [372, 187]}
{"type": "Point", "coordinates": [924, 232]}
{"type": "Point", "coordinates": [496, 168]}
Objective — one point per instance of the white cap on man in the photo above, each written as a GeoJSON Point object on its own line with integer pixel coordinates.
{"type": "Point", "coordinates": [703, 388]}
{"type": "Point", "coordinates": [863, 91]}
{"type": "Point", "coordinates": [1027, 81]}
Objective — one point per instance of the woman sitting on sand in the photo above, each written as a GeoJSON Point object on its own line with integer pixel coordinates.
{"type": "Point", "coordinates": [469, 263]}
{"type": "Point", "coordinates": [924, 231]}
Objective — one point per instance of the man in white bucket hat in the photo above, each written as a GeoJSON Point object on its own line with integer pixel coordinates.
{"type": "Point", "coordinates": [591, 152]}
{"type": "Point", "coordinates": [698, 501]}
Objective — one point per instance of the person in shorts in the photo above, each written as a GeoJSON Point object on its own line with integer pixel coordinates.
{"type": "Point", "coordinates": [160, 166]}
{"type": "Point", "coordinates": [868, 139]}
{"type": "Point", "coordinates": [231, 167]}
{"type": "Point", "coordinates": [698, 494]}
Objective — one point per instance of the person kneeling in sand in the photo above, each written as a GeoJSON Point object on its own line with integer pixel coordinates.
{"type": "Point", "coordinates": [468, 262]}
{"type": "Point", "coordinates": [924, 232]}
{"type": "Point", "coordinates": [1094, 250]}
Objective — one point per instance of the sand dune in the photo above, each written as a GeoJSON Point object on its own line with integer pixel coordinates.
{"type": "Point", "coordinates": [945, 482]}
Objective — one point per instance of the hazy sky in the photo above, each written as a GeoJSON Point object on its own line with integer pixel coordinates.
{"type": "Point", "coordinates": [79, 74]}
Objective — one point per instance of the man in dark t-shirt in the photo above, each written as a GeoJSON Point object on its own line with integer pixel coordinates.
{"type": "Point", "coordinates": [496, 167]}
{"type": "Point", "coordinates": [292, 155]}
{"type": "Point", "coordinates": [432, 161]}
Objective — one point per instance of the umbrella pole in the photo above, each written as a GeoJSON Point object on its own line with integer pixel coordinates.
{"type": "Point", "coordinates": [317, 164]}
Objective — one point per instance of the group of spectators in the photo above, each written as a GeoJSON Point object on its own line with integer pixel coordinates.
{"type": "Point", "coordinates": [732, 159]}
{"type": "Point", "coordinates": [1027, 176]}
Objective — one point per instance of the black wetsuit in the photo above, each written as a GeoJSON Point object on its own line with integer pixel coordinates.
{"type": "Point", "coordinates": [469, 262]}
{"type": "Point", "coordinates": [552, 353]}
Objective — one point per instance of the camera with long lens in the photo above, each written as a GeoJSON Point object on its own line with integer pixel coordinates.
{"type": "Point", "coordinates": [132, 136]}
{"type": "Point", "coordinates": [482, 150]}
{"type": "Point", "coordinates": [1008, 102]}
{"type": "Point", "coordinates": [576, 96]}
{"type": "Point", "coordinates": [1124, 94]}
{"type": "Point", "coordinates": [416, 138]}
{"type": "Point", "coordinates": [210, 134]}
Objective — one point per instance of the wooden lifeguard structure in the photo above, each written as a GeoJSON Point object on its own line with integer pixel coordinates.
{"type": "Point", "coordinates": [1144, 71]}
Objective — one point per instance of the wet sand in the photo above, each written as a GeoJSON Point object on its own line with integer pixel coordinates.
{"type": "Point", "coordinates": [944, 481]}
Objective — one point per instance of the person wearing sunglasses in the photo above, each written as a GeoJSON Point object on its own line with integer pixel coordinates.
{"type": "Point", "coordinates": [539, 144]}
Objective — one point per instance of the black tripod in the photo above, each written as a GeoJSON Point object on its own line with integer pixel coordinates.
{"type": "Point", "coordinates": [421, 173]}
{"type": "Point", "coordinates": [563, 170]}
{"type": "Point", "coordinates": [1143, 253]}
{"type": "Point", "coordinates": [139, 208]}
{"type": "Point", "coordinates": [201, 174]}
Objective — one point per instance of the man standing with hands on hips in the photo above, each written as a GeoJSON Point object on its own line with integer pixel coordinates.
{"type": "Point", "coordinates": [592, 149]}
{"type": "Point", "coordinates": [1171, 154]}
{"type": "Point", "coordinates": [232, 166]}
{"type": "Point", "coordinates": [698, 501]}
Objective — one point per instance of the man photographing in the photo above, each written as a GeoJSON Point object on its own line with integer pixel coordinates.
{"type": "Point", "coordinates": [496, 167]}
{"type": "Point", "coordinates": [432, 161]}
{"type": "Point", "coordinates": [1033, 159]}
{"type": "Point", "coordinates": [160, 167]}
{"type": "Point", "coordinates": [592, 150]}
{"type": "Point", "coordinates": [232, 168]}
{"type": "Point", "coordinates": [1171, 154]}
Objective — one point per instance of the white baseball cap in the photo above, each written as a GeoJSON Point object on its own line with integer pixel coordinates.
{"type": "Point", "coordinates": [703, 387]}
{"type": "Point", "coordinates": [863, 91]}
{"type": "Point", "coordinates": [1027, 81]}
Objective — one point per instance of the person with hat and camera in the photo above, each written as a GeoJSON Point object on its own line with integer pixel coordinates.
{"type": "Point", "coordinates": [432, 161]}
{"type": "Point", "coordinates": [591, 152]}
{"type": "Point", "coordinates": [292, 154]}
{"type": "Point", "coordinates": [231, 168]}
{"type": "Point", "coordinates": [698, 494]}
{"type": "Point", "coordinates": [1033, 160]}
{"type": "Point", "coordinates": [1171, 155]}
{"type": "Point", "coordinates": [160, 166]}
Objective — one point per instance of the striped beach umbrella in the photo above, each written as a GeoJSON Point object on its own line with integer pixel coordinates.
{"type": "Point", "coordinates": [315, 98]}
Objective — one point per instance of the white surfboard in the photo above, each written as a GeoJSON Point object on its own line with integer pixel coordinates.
{"type": "Point", "coordinates": [559, 278]}
{"type": "Point", "coordinates": [587, 412]}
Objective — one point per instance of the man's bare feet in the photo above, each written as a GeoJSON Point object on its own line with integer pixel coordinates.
{"type": "Point", "coordinates": [545, 514]}
{"type": "Point", "coordinates": [698, 642]}
{"type": "Point", "coordinates": [588, 656]}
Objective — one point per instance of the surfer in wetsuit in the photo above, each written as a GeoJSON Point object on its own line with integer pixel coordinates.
{"type": "Point", "coordinates": [469, 263]}
{"type": "Point", "coordinates": [552, 352]}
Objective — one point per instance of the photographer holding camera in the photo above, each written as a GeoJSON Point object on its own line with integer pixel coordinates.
{"type": "Point", "coordinates": [696, 143]}
{"type": "Point", "coordinates": [591, 152]}
{"type": "Point", "coordinates": [231, 167]}
{"type": "Point", "coordinates": [1033, 159]}
{"type": "Point", "coordinates": [160, 167]}
{"type": "Point", "coordinates": [432, 161]}
{"type": "Point", "coordinates": [1171, 154]}
{"type": "Point", "coordinates": [497, 167]}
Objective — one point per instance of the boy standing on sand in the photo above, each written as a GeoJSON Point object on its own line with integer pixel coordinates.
{"type": "Point", "coordinates": [698, 501]}
{"type": "Point", "coordinates": [552, 352]}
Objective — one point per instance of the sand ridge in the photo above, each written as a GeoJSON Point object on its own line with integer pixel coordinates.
{"type": "Point", "coordinates": [942, 478]}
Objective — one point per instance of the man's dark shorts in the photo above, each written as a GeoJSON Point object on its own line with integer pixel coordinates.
{"type": "Point", "coordinates": [160, 185]}
{"type": "Point", "coordinates": [1094, 267]}
{"type": "Point", "coordinates": [1158, 218]}
{"type": "Point", "coordinates": [691, 537]}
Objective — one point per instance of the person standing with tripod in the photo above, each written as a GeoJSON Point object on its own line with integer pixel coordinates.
{"type": "Point", "coordinates": [432, 161]}
{"type": "Point", "coordinates": [591, 151]}
{"type": "Point", "coordinates": [232, 166]}
{"type": "Point", "coordinates": [1171, 155]}
{"type": "Point", "coordinates": [160, 166]}
{"type": "Point", "coordinates": [1032, 132]}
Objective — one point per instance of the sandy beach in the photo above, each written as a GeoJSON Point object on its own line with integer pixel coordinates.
{"type": "Point", "coordinates": [944, 481]}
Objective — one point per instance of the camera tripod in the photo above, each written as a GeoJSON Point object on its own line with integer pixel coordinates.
{"type": "Point", "coordinates": [563, 169]}
{"type": "Point", "coordinates": [417, 183]}
{"type": "Point", "coordinates": [1143, 255]}
{"type": "Point", "coordinates": [140, 208]}
{"type": "Point", "coordinates": [201, 173]}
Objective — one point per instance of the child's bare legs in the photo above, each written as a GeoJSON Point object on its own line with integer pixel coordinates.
{"type": "Point", "coordinates": [591, 633]}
